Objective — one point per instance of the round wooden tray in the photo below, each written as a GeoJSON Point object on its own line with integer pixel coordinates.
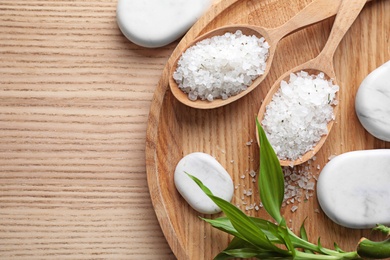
{"type": "Point", "coordinates": [175, 130]}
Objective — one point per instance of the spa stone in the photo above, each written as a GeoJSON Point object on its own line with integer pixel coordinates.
{"type": "Point", "coordinates": [212, 174]}
{"type": "Point", "coordinates": [353, 189]}
{"type": "Point", "coordinates": [372, 102]}
{"type": "Point", "coordinates": [155, 23]}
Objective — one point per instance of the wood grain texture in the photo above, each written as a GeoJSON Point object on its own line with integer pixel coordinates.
{"type": "Point", "coordinates": [175, 130]}
{"type": "Point", "coordinates": [74, 102]}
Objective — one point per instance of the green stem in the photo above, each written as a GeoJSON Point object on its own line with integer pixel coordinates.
{"type": "Point", "coordinates": [330, 254]}
{"type": "Point", "coordinates": [299, 242]}
{"type": "Point", "coordinates": [371, 249]}
{"type": "Point", "coordinates": [340, 256]}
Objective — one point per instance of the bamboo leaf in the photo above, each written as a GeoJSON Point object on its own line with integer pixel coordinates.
{"type": "Point", "coordinates": [271, 179]}
{"type": "Point", "coordinates": [247, 229]}
{"type": "Point", "coordinates": [242, 252]}
{"type": "Point", "coordinates": [303, 233]}
{"type": "Point", "coordinates": [270, 229]}
{"type": "Point", "coordinates": [383, 229]}
{"type": "Point", "coordinates": [244, 226]}
{"type": "Point", "coordinates": [250, 252]}
{"type": "Point", "coordinates": [321, 249]}
{"type": "Point", "coordinates": [224, 224]}
{"type": "Point", "coordinates": [243, 249]}
{"type": "Point", "coordinates": [285, 235]}
{"type": "Point", "coordinates": [236, 243]}
{"type": "Point", "coordinates": [337, 248]}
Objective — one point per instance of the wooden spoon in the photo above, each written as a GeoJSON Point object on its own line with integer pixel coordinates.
{"type": "Point", "coordinates": [348, 12]}
{"type": "Point", "coordinates": [316, 11]}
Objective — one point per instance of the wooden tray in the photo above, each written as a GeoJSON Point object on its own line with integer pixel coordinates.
{"type": "Point", "coordinates": [175, 130]}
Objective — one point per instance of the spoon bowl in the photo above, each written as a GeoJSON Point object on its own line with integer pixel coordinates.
{"type": "Point", "coordinates": [316, 11]}
{"type": "Point", "coordinates": [308, 67]}
{"type": "Point", "coordinates": [218, 102]}
{"type": "Point", "coordinates": [346, 15]}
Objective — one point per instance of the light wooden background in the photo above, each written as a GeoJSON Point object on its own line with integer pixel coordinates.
{"type": "Point", "coordinates": [75, 96]}
{"type": "Point", "coordinates": [74, 102]}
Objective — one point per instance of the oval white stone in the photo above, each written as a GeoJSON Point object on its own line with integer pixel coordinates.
{"type": "Point", "coordinates": [372, 103]}
{"type": "Point", "coordinates": [353, 189]}
{"type": "Point", "coordinates": [155, 23]}
{"type": "Point", "coordinates": [207, 169]}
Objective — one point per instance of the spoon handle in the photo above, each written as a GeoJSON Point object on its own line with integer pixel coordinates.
{"type": "Point", "coordinates": [314, 12]}
{"type": "Point", "coordinates": [346, 15]}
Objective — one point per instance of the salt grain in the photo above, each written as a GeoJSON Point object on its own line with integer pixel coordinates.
{"type": "Point", "coordinates": [221, 66]}
{"type": "Point", "coordinates": [298, 114]}
{"type": "Point", "coordinates": [252, 173]}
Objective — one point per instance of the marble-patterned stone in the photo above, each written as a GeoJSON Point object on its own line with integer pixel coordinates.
{"type": "Point", "coordinates": [372, 102]}
{"type": "Point", "coordinates": [212, 174]}
{"type": "Point", "coordinates": [155, 23]}
{"type": "Point", "coordinates": [353, 189]}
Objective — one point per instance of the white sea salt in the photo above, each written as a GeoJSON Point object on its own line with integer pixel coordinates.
{"type": "Point", "coordinates": [298, 183]}
{"type": "Point", "coordinates": [221, 66]}
{"type": "Point", "coordinates": [298, 114]}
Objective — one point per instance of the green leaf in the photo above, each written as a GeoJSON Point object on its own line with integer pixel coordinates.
{"type": "Point", "coordinates": [223, 256]}
{"type": "Point", "coordinates": [250, 252]}
{"type": "Point", "coordinates": [243, 249]}
{"type": "Point", "coordinates": [247, 229]}
{"type": "Point", "coordinates": [236, 243]}
{"type": "Point", "coordinates": [383, 229]}
{"type": "Point", "coordinates": [320, 247]}
{"type": "Point", "coordinates": [224, 224]}
{"type": "Point", "coordinates": [271, 179]}
{"type": "Point", "coordinates": [303, 233]}
{"type": "Point", "coordinates": [244, 226]}
{"type": "Point", "coordinates": [269, 228]}
{"type": "Point", "coordinates": [337, 248]}
{"type": "Point", "coordinates": [286, 237]}
{"type": "Point", "coordinates": [242, 252]}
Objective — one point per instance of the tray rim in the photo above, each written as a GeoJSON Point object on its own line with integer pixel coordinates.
{"type": "Point", "coordinates": [176, 246]}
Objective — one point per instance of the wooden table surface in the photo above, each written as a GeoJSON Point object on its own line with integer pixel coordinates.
{"type": "Point", "coordinates": [74, 103]}
{"type": "Point", "coordinates": [75, 96]}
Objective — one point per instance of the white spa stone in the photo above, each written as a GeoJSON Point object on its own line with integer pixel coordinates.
{"type": "Point", "coordinates": [207, 169]}
{"type": "Point", "coordinates": [372, 102]}
{"type": "Point", "coordinates": [353, 189]}
{"type": "Point", "coordinates": [155, 23]}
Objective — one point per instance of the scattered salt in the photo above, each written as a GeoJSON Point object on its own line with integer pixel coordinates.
{"type": "Point", "coordinates": [298, 183]}
{"type": "Point", "coordinates": [249, 143]}
{"type": "Point", "coordinates": [294, 208]}
{"type": "Point", "coordinates": [298, 114]}
{"type": "Point", "coordinates": [221, 66]}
